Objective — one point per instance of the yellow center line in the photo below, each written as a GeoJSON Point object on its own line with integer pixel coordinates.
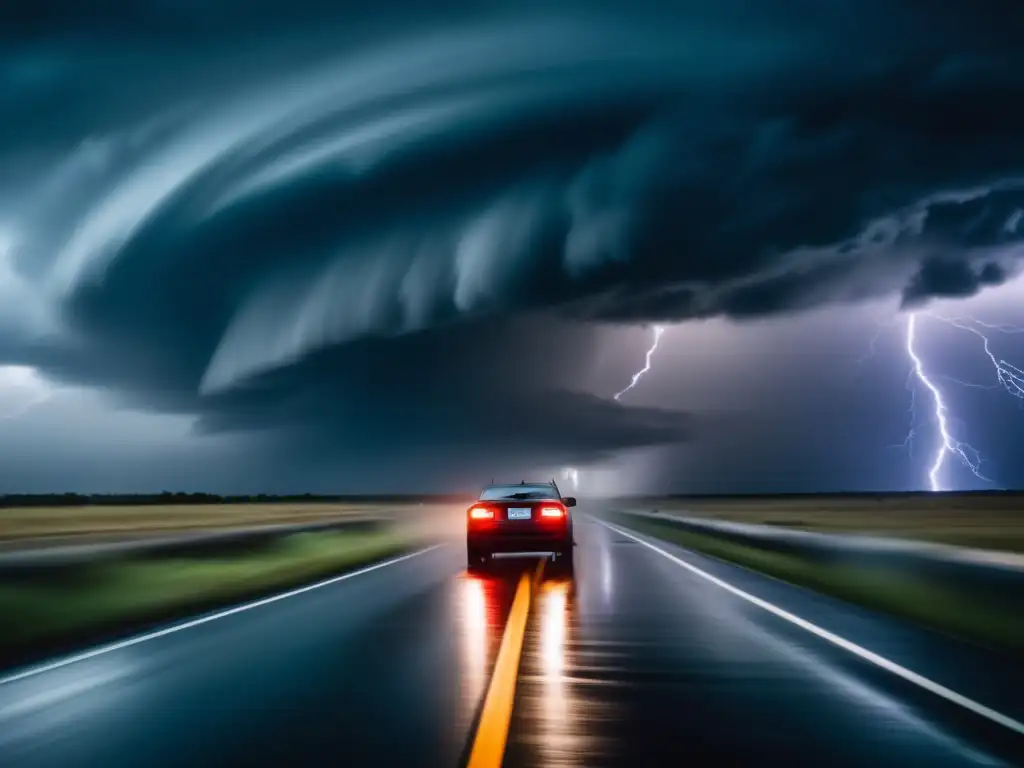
{"type": "Point", "coordinates": [538, 574]}
{"type": "Point", "coordinates": [492, 733]}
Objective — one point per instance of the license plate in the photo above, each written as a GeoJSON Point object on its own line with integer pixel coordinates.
{"type": "Point", "coordinates": [519, 514]}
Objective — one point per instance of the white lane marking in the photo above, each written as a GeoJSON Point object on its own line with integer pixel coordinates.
{"type": "Point", "coordinates": [48, 667]}
{"type": "Point", "coordinates": [847, 645]}
{"type": "Point", "coordinates": [50, 696]}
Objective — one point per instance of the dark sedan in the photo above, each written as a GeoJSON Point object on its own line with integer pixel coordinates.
{"type": "Point", "coordinates": [528, 519]}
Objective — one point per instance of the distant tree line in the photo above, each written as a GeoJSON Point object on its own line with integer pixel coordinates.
{"type": "Point", "coordinates": [878, 495]}
{"type": "Point", "coordinates": [169, 497]}
{"type": "Point", "coordinates": [179, 497]}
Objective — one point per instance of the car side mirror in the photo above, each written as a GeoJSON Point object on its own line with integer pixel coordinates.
{"type": "Point", "coordinates": [569, 501]}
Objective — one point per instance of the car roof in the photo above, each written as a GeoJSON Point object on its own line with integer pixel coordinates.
{"type": "Point", "coordinates": [547, 484]}
{"type": "Point", "coordinates": [510, 490]}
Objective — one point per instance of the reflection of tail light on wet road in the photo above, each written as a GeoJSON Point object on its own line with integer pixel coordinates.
{"type": "Point", "coordinates": [533, 697]}
{"type": "Point", "coordinates": [554, 619]}
{"type": "Point", "coordinates": [475, 634]}
{"type": "Point", "coordinates": [557, 735]}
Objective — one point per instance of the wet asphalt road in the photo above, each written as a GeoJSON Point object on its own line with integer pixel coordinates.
{"type": "Point", "coordinates": [634, 661]}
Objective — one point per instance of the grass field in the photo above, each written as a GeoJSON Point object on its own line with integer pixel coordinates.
{"type": "Point", "coordinates": [20, 525]}
{"type": "Point", "coordinates": [79, 606]}
{"type": "Point", "coordinates": [943, 606]}
{"type": "Point", "coordinates": [987, 521]}
{"type": "Point", "coordinates": [990, 522]}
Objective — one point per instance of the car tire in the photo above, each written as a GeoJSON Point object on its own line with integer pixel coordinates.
{"type": "Point", "coordinates": [476, 559]}
{"type": "Point", "coordinates": [565, 559]}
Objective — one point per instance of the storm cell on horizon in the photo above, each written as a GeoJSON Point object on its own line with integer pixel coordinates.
{"type": "Point", "coordinates": [649, 245]}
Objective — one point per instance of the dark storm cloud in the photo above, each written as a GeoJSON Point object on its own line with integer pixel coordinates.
{"type": "Point", "coordinates": [499, 391]}
{"type": "Point", "coordinates": [369, 222]}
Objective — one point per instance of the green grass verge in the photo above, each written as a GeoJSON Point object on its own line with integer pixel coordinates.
{"type": "Point", "coordinates": [941, 606]}
{"type": "Point", "coordinates": [123, 593]}
{"type": "Point", "coordinates": [995, 523]}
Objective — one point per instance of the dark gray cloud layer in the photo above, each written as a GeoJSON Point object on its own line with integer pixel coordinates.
{"type": "Point", "coordinates": [366, 223]}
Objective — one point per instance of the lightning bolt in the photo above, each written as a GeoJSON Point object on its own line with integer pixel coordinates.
{"type": "Point", "coordinates": [658, 330]}
{"type": "Point", "coordinates": [880, 327]}
{"type": "Point", "coordinates": [921, 382]}
{"type": "Point", "coordinates": [948, 444]}
{"type": "Point", "coordinates": [1008, 376]}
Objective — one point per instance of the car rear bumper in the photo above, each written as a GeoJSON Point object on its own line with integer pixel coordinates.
{"type": "Point", "coordinates": [516, 543]}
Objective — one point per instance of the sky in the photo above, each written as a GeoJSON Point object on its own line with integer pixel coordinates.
{"type": "Point", "coordinates": [402, 246]}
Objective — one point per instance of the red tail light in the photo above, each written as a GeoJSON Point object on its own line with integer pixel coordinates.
{"type": "Point", "coordinates": [481, 513]}
{"type": "Point", "coordinates": [552, 512]}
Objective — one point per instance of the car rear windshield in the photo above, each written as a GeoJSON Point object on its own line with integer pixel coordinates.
{"type": "Point", "coordinates": [498, 492]}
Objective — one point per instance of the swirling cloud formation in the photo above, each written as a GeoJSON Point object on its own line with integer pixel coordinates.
{"type": "Point", "coordinates": [379, 223]}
